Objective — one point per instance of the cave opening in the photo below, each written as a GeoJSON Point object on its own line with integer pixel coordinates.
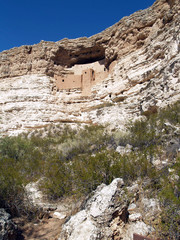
{"type": "Point", "coordinates": [89, 60]}
{"type": "Point", "coordinates": [83, 56]}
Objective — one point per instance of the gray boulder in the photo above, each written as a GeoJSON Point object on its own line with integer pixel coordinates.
{"type": "Point", "coordinates": [92, 222]}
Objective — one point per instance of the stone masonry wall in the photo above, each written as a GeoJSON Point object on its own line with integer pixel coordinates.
{"type": "Point", "coordinates": [85, 76]}
{"type": "Point", "coordinates": [70, 81]}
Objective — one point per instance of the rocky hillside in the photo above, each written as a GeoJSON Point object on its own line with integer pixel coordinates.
{"type": "Point", "coordinates": [143, 49]}
{"type": "Point", "coordinates": [107, 179]}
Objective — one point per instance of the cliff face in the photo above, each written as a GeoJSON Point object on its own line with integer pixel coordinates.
{"type": "Point", "coordinates": [143, 49]}
{"type": "Point", "coordinates": [128, 35]}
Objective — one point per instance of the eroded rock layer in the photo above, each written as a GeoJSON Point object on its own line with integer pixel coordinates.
{"type": "Point", "coordinates": [141, 57]}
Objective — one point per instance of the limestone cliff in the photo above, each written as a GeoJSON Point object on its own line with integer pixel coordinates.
{"type": "Point", "coordinates": [140, 53]}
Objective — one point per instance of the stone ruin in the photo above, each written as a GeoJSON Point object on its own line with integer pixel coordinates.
{"type": "Point", "coordinates": [82, 77]}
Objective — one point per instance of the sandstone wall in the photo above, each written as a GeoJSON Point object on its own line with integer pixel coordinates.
{"type": "Point", "coordinates": [82, 77]}
{"type": "Point", "coordinates": [98, 66]}
{"type": "Point", "coordinates": [69, 81]}
{"type": "Point", "coordinates": [88, 77]}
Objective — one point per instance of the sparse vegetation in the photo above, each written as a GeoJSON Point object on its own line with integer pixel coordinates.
{"type": "Point", "coordinates": [77, 161]}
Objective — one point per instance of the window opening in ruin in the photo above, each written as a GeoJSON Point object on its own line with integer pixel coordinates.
{"type": "Point", "coordinates": [105, 86]}
{"type": "Point", "coordinates": [93, 77]}
{"type": "Point", "coordinates": [62, 80]}
{"type": "Point", "coordinates": [110, 95]}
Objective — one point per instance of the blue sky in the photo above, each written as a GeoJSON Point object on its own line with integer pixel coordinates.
{"type": "Point", "coordinates": [26, 22]}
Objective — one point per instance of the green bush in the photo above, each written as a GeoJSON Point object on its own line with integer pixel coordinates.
{"type": "Point", "coordinates": [144, 133]}
{"type": "Point", "coordinates": [170, 204]}
{"type": "Point", "coordinates": [57, 179]}
{"type": "Point", "coordinates": [90, 171]}
{"type": "Point", "coordinates": [12, 183]}
{"type": "Point", "coordinates": [171, 113]}
{"type": "Point", "coordinates": [19, 164]}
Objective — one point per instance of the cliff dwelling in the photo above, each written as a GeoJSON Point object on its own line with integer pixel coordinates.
{"type": "Point", "coordinates": [82, 77]}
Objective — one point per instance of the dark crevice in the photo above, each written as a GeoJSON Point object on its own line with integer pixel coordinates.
{"type": "Point", "coordinates": [89, 60]}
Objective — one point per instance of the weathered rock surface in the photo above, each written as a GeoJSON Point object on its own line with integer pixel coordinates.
{"type": "Point", "coordinates": [59, 210]}
{"type": "Point", "coordinates": [92, 221]}
{"type": "Point", "coordinates": [145, 77]}
{"type": "Point", "coordinates": [110, 214]}
{"type": "Point", "coordinates": [8, 230]}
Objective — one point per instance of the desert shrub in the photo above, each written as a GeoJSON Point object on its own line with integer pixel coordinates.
{"type": "Point", "coordinates": [134, 165]}
{"type": "Point", "coordinates": [90, 171]}
{"type": "Point", "coordinates": [24, 154]}
{"type": "Point", "coordinates": [143, 133]}
{"type": "Point", "coordinates": [87, 140]}
{"type": "Point", "coordinates": [19, 164]}
{"type": "Point", "coordinates": [11, 185]}
{"type": "Point", "coordinates": [120, 138]}
{"type": "Point", "coordinates": [14, 147]}
{"type": "Point", "coordinates": [57, 179]}
{"type": "Point", "coordinates": [80, 176]}
{"type": "Point", "coordinates": [103, 167]}
{"type": "Point", "coordinates": [154, 130]}
{"type": "Point", "coordinates": [171, 113]}
{"type": "Point", "coordinates": [170, 204]}
{"type": "Point", "coordinates": [77, 161]}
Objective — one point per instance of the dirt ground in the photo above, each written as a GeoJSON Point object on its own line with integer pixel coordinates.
{"type": "Point", "coordinates": [45, 229]}
{"type": "Point", "coordinates": [46, 226]}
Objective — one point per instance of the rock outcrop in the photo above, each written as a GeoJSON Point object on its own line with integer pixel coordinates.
{"type": "Point", "coordinates": [144, 50]}
{"type": "Point", "coordinates": [111, 214]}
{"type": "Point", "coordinates": [8, 230]}
{"type": "Point", "coordinates": [92, 221]}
